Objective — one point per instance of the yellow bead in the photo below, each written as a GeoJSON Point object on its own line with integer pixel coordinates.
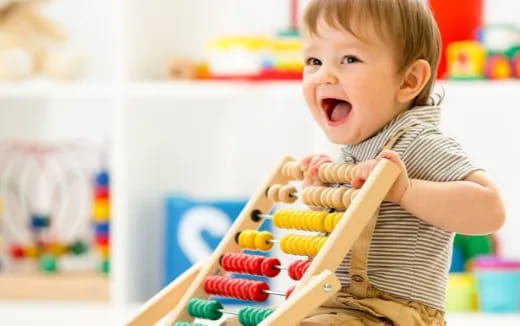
{"type": "Point", "coordinates": [263, 241]}
{"type": "Point", "coordinates": [279, 218]}
{"type": "Point", "coordinates": [55, 249]}
{"type": "Point", "coordinates": [246, 239]}
{"type": "Point", "coordinates": [31, 252]}
{"type": "Point", "coordinates": [101, 210]}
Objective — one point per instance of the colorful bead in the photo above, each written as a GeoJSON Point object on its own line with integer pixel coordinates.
{"type": "Point", "coordinates": [300, 220]}
{"type": "Point", "coordinates": [271, 267]}
{"type": "Point", "coordinates": [100, 210]}
{"type": "Point", "coordinates": [102, 179]}
{"type": "Point", "coordinates": [236, 288]}
{"type": "Point", "coordinates": [207, 309]}
{"type": "Point", "coordinates": [102, 228]}
{"type": "Point", "coordinates": [78, 248]}
{"type": "Point", "coordinates": [263, 241]}
{"type": "Point", "coordinates": [101, 193]}
{"type": "Point", "coordinates": [16, 251]}
{"type": "Point", "coordinates": [298, 268]}
{"type": "Point", "coordinates": [289, 292]}
{"type": "Point", "coordinates": [250, 316]}
{"type": "Point", "coordinates": [303, 245]}
{"type": "Point", "coordinates": [105, 266]}
{"type": "Point", "coordinates": [54, 248]}
{"type": "Point", "coordinates": [255, 240]}
{"type": "Point", "coordinates": [31, 252]}
{"type": "Point", "coordinates": [40, 222]}
{"type": "Point", "coordinates": [48, 264]}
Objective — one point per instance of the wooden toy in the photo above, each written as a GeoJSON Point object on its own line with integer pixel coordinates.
{"type": "Point", "coordinates": [187, 297]}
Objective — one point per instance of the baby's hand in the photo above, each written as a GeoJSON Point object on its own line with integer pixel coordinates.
{"type": "Point", "coordinates": [399, 187]}
{"type": "Point", "coordinates": [311, 165]}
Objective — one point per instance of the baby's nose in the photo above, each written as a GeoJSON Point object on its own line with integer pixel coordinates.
{"type": "Point", "coordinates": [326, 76]}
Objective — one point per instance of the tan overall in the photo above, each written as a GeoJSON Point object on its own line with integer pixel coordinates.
{"type": "Point", "coordinates": [362, 305]}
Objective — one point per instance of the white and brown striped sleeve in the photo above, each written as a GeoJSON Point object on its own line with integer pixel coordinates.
{"type": "Point", "coordinates": [435, 157]}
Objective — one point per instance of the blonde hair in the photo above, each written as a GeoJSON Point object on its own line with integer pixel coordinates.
{"type": "Point", "coordinates": [408, 24]}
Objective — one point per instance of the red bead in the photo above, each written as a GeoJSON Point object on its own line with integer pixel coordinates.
{"type": "Point", "coordinates": [102, 239]}
{"type": "Point", "coordinates": [269, 267]}
{"type": "Point", "coordinates": [257, 291]}
{"type": "Point", "coordinates": [288, 293]}
{"type": "Point", "coordinates": [16, 251]}
{"type": "Point", "coordinates": [101, 192]}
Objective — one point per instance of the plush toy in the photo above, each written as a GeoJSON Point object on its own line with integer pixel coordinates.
{"type": "Point", "coordinates": [31, 44]}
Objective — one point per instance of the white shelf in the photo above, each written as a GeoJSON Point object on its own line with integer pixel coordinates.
{"type": "Point", "coordinates": [213, 89]}
{"type": "Point", "coordinates": [199, 90]}
{"type": "Point", "coordinates": [48, 89]}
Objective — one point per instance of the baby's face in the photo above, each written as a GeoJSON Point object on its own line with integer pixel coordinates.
{"type": "Point", "coordinates": [349, 84]}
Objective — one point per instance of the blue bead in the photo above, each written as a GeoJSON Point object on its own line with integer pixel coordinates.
{"type": "Point", "coordinates": [100, 228]}
{"type": "Point", "coordinates": [40, 221]}
{"type": "Point", "coordinates": [102, 179]}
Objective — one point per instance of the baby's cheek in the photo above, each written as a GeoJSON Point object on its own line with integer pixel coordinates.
{"type": "Point", "coordinates": [309, 95]}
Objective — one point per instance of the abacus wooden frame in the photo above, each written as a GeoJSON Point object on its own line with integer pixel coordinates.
{"type": "Point", "coordinates": [319, 282]}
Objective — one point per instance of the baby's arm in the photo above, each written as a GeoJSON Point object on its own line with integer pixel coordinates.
{"type": "Point", "coordinates": [470, 206]}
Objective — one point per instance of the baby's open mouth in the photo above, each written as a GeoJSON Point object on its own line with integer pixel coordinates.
{"type": "Point", "coordinates": [336, 109]}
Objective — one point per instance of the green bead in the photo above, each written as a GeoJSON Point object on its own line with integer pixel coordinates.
{"type": "Point", "coordinates": [250, 316]}
{"type": "Point", "coordinates": [206, 309]}
{"type": "Point", "coordinates": [48, 264]}
{"type": "Point", "coordinates": [214, 311]}
{"type": "Point", "coordinates": [245, 316]}
{"type": "Point", "coordinates": [78, 248]}
{"type": "Point", "coordinates": [105, 266]}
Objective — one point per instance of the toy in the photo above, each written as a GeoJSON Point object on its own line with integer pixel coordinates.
{"type": "Point", "coordinates": [498, 67]}
{"type": "Point", "coordinates": [495, 57]}
{"type": "Point", "coordinates": [45, 223]}
{"type": "Point", "coordinates": [498, 282]}
{"type": "Point", "coordinates": [101, 219]}
{"type": "Point", "coordinates": [457, 21]}
{"type": "Point", "coordinates": [31, 44]}
{"type": "Point", "coordinates": [187, 295]}
{"type": "Point", "coordinates": [466, 60]}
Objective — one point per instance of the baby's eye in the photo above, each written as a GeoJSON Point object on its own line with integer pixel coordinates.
{"type": "Point", "coordinates": [313, 62]}
{"type": "Point", "coordinates": [350, 59]}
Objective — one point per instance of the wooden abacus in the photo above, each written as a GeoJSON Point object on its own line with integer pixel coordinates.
{"type": "Point", "coordinates": [186, 297]}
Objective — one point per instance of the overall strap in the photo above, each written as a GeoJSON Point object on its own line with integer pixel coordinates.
{"type": "Point", "coordinates": [359, 284]}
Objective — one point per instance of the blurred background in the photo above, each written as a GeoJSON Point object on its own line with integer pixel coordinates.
{"type": "Point", "coordinates": [133, 132]}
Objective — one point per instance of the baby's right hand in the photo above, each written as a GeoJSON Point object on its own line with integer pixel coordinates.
{"type": "Point", "coordinates": [310, 166]}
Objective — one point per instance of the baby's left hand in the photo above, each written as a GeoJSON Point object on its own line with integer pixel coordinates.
{"type": "Point", "coordinates": [400, 186]}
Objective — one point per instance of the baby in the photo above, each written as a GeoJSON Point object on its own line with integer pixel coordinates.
{"type": "Point", "coordinates": [370, 67]}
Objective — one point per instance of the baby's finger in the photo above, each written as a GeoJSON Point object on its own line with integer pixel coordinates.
{"type": "Point", "coordinates": [304, 162]}
{"type": "Point", "coordinates": [357, 183]}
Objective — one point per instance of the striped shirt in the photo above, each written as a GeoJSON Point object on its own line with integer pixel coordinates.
{"type": "Point", "coordinates": [409, 257]}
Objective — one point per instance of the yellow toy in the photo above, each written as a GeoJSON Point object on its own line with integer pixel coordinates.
{"type": "Point", "coordinates": [186, 297]}
{"type": "Point", "coordinates": [466, 60]}
{"type": "Point", "coordinates": [31, 44]}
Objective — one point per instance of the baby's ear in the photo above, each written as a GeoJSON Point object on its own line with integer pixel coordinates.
{"type": "Point", "coordinates": [414, 80]}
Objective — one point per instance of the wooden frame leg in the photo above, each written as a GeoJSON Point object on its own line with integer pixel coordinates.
{"type": "Point", "coordinates": [166, 300]}
{"type": "Point", "coordinates": [320, 288]}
